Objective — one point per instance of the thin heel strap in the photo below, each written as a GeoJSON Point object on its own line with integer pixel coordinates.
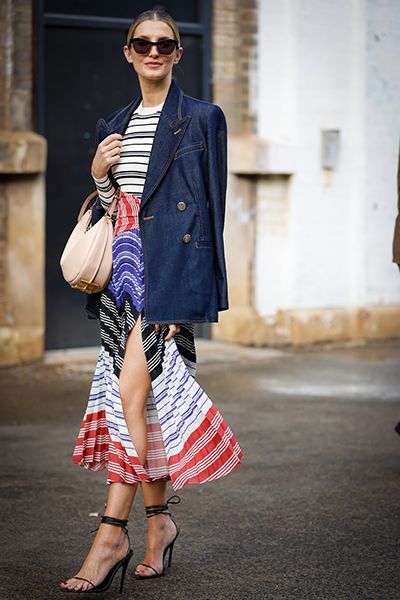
{"type": "Point", "coordinates": [158, 509]}
{"type": "Point", "coordinates": [113, 521]}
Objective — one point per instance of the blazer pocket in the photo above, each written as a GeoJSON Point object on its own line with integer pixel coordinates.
{"type": "Point", "coordinates": [187, 149]}
{"type": "Point", "coordinates": [204, 244]}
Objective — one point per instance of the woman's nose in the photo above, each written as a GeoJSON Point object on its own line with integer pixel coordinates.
{"type": "Point", "coordinates": [153, 52]}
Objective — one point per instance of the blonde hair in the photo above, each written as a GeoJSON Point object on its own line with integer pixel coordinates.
{"type": "Point", "coordinates": [153, 15]}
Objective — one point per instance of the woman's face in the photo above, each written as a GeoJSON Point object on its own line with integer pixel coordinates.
{"type": "Point", "coordinates": [153, 66]}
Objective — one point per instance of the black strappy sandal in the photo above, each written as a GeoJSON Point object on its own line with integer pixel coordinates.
{"type": "Point", "coordinates": [152, 511]}
{"type": "Point", "coordinates": [121, 564]}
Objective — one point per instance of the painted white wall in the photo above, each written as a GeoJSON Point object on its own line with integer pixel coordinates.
{"type": "Point", "coordinates": [382, 147]}
{"type": "Point", "coordinates": [329, 65]}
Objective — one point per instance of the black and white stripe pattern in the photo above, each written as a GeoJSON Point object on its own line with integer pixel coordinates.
{"type": "Point", "coordinates": [130, 171]}
{"type": "Point", "coordinates": [118, 321]}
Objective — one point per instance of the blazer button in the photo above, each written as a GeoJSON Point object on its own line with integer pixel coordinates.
{"type": "Point", "coordinates": [181, 205]}
{"type": "Point", "coordinates": [187, 237]}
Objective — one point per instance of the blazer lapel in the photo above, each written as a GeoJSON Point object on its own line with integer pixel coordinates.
{"type": "Point", "coordinates": [169, 133]}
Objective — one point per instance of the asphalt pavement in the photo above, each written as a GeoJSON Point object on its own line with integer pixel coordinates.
{"type": "Point", "coordinates": [312, 513]}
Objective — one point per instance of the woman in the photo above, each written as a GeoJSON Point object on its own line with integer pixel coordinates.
{"type": "Point", "coordinates": [148, 420]}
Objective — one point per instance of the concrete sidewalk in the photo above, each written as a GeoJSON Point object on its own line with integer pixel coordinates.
{"type": "Point", "coordinates": [312, 513]}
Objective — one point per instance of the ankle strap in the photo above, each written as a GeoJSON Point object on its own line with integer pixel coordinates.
{"type": "Point", "coordinates": [113, 521]}
{"type": "Point", "coordinates": [161, 509]}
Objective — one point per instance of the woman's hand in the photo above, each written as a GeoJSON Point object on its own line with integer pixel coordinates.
{"type": "Point", "coordinates": [173, 329]}
{"type": "Point", "coordinates": [107, 154]}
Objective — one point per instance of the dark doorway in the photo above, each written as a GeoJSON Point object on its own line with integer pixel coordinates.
{"type": "Point", "coordinates": [82, 75]}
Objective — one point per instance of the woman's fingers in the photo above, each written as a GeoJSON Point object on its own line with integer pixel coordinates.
{"type": "Point", "coordinates": [111, 142]}
{"type": "Point", "coordinates": [113, 137]}
{"type": "Point", "coordinates": [107, 154]}
{"type": "Point", "coordinates": [110, 149]}
{"type": "Point", "coordinates": [173, 329]}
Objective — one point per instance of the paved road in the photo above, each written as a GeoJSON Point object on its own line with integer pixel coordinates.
{"type": "Point", "coordinates": [312, 513]}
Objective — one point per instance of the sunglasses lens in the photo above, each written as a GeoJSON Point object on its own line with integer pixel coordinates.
{"type": "Point", "coordinates": [166, 47]}
{"type": "Point", "coordinates": [141, 46]}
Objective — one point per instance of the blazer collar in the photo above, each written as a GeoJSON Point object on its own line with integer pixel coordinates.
{"type": "Point", "coordinates": [171, 111]}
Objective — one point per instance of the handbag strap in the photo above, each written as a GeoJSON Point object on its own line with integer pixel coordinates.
{"type": "Point", "coordinates": [85, 204]}
{"type": "Point", "coordinates": [109, 210]}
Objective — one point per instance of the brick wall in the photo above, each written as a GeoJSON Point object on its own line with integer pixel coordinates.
{"type": "Point", "coordinates": [234, 55]}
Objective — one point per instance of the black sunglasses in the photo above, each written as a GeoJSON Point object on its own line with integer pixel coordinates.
{"type": "Point", "coordinates": [142, 46]}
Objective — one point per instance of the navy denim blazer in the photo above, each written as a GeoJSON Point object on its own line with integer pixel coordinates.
{"type": "Point", "coordinates": [184, 280]}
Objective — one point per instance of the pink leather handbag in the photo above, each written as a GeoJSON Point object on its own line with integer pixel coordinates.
{"type": "Point", "coordinates": [86, 261]}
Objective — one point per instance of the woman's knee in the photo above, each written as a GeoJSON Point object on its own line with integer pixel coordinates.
{"type": "Point", "coordinates": [133, 397]}
{"type": "Point", "coordinates": [134, 411]}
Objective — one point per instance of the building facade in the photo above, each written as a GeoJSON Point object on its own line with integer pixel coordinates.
{"type": "Point", "coordinates": [311, 93]}
{"type": "Point", "coordinates": [313, 171]}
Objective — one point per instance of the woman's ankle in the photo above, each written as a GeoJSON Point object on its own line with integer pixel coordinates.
{"type": "Point", "coordinates": [159, 522]}
{"type": "Point", "coordinates": [111, 535]}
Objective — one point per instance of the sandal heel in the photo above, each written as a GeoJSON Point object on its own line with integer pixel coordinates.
{"type": "Point", "coordinates": [124, 568]}
{"type": "Point", "coordinates": [170, 555]}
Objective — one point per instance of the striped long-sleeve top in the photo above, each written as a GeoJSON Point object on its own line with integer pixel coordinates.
{"type": "Point", "coordinates": [131, 169]}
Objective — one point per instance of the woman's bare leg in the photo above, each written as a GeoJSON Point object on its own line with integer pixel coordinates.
{"type": "Point", "coordinates": [110, 543]}
{"type": "Point", "coordinates": [134, 387]}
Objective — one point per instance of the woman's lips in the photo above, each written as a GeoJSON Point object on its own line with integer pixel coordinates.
{"type": "Point", "coordinates": [153, 64]}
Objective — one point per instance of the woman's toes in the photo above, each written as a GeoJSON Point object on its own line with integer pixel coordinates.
{"type": "Point", "coordinates": [71, 584]}
{"type": "Point", "coordinates": [139, 571]}
{"type": "Point", "coordinates": [144, 571]}
{"type": "Point", "coordinates": [79, 585]}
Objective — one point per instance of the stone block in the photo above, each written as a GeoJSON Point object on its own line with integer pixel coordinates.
{"type": "Point", "coordinates": [22, 152]}
{"type": "Point", "coordinates": [22, 236]}
{"type": "Point", "coordinates": [251, 155]}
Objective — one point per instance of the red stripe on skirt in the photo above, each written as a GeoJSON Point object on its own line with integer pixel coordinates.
{"type": "Point", "coordinates": [97, 454]}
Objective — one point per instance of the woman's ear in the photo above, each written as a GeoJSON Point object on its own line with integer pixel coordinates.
{"type": "Point", "coordinates": [178, 55]}
{"type": "Point", "coordinates": [127, 52]}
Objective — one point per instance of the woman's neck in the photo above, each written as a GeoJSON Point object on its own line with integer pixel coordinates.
{"type": "Point", "coordinates": [154, 92]}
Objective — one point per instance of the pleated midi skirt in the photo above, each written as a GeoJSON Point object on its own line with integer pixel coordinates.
{"type": "Point", "coordinates": [188, 441]}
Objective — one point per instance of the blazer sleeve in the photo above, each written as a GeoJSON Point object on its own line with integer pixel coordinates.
{"type": "Point", "coordinates": [217, 184]}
